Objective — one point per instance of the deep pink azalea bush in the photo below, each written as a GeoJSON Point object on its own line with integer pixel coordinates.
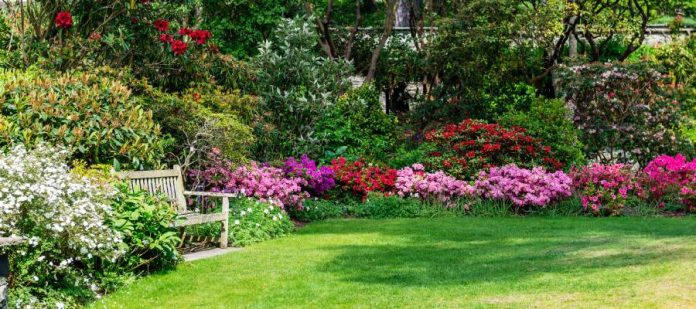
{"type": "Point", "coordinates": [261, 181]}
{"type": "Point", "coordinates": [413, 181]}
{"type": "Point", "coordinates": [317, 180]}
{"type": "Point", "coordinates": [524, 187]}
{"type": "Point", "coordinates": [603, 189]}
{"type": "Point", "coordinates": [671, 179]}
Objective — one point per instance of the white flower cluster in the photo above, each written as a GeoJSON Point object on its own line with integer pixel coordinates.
{"type": "Point", "coordinates": [42, 201]}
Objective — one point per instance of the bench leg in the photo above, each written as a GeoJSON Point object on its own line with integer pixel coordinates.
{"type": "Point", "coordinates": [225, 223]}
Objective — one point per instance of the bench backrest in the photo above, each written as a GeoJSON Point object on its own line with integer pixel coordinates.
{"type": "Point", "coordinates": [169, 183]}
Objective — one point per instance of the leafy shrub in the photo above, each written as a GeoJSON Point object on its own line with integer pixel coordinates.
{"type": "Point", "coordinates": [316, 180]}
{"type": "Point", "coordinates": [623, 112]}
{"type": "Point", "coordinates": [319, 209]}
{"type": "Point", "coordinates": [260, 181]}
{"type": "Point", "coordinates": [66, 221]}
{"type": "Point", "coordinates": [145, 221]}
{"type": "Point", "coordinates": [604, 189]}
{"type": "Point", "coordinates": [415, 182]}
{"type": "Point", "coordinates": [461, 150]}
{"type": "Point", "coordinates": [254, 221]}
{"type": "Point", "coordinates": [524, 187]}
{"type": "Point", "coordinates": [378, 205]}
{"type": "Point", "coordinates": [671, 180]}
{"type": "Point", "coordinates": [297, 86]}
{"type": "Point", "coordinates": [202, 118]}
{"type": "Point", "coordinates": [359, 179]}
{"type": "Point", "coordinates": [95, 116]}
{"type": "Point", "coordinates": [357, 123]}
{"type": "Point", "coordinates": [550, 121]}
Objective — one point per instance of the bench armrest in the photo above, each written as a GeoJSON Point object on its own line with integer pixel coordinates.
{"type": "Point", "coordinates": [211, 194]}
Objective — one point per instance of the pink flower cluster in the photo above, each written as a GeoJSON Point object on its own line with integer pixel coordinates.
{"type": "Point", "coordinates": [604, 188]}
{"type": "Point", "coordinates": [524, 187]}
{"type": "Point", "coordinates": [415, 182]}
{"type": "Point", "coordinates": [267, 184]}
{"type": "Point", "coordinates": [672, 178]}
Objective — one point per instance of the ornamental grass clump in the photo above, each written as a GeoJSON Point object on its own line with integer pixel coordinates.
{"type": "Point", "coordinates": [603, 189]}
{"type": "Point", "coordinates": [524, 187]}
{"type": "Point", "coordinates": [671, 180]}
{"type": "Point", "coordinates": [413, 181]}
{"type": "Point", "coordinates": [66, 220]}
{"type": "Point", "coordinates": [316, 180]}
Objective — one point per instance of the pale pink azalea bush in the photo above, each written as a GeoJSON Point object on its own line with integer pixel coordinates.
{"type": "Point", "coordinates": [413, 181]}
{"type": "Point", "coordinates": [524, 187]}
{"type": "Point", "coordinates": [605, 188]}
{"type": "Point", "coordinates": [671, 179]}
{"type": "Point", "coordinates": [268, 184]}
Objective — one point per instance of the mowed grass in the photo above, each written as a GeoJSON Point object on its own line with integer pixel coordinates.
{"type": "Point", "coordinates": [442, 262]}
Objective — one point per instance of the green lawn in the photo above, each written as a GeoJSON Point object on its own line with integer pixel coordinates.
{"type": "Point", "coordinates": [445, 262]}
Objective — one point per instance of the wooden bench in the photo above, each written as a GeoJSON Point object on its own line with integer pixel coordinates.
{"type": "Point", "coordinates": [170, 183]}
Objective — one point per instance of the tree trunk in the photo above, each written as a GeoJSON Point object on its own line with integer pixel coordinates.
{"type": "Point", "coordinates": [388, 27]}
{"type": "Point", "coordinates": [348, 49]}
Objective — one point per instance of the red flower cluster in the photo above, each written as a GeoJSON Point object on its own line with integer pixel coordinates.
{"type": "Point", "coordinates": [360, 179]}
{"type": "Point", "coordinates": [200, 36]}
{"type": "Point", "coordinates": [463, 149]}
{"type": "Point", "coordinates": [178, 47]}
{"type": "Point", "coordinates": [63, 20]}
{"type": "Point", "coordinates": [161, 25]}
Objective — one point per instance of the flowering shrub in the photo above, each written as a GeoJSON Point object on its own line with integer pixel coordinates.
{"type": "Point", "coordinates": [64, 217]}
{"type": "Point", "coordinates": [461, 150]}
{"type": "Point", "coordinates": [316, 180]}
{"type": "Point", "coordinates": [253, 221]}
{"type": "Point", "coordinates": [524, 187]}
{"type": "Point", "coordinates": [260, 181]}
{"type": "Point", "coordinates": [671, 179]}
{"type": "Point", "coordinates": [624, 112]}
{"type": "Point", "coordinates": [360, 179]}
{"type": "Point", "coordinates": [63, 20]}
{"type": "Point", "coordinates": [415, 182]}
{"type": "Point", "coordinates": [604, 188]}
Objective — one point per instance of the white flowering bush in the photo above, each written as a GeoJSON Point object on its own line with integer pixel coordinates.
{"type": "Point", "coordinates": [254, 221]}
{"type": "Point", "coordinates": [66, 220]}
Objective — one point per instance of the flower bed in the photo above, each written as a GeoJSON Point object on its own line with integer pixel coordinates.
{"type": "Point", "coordinates": [524, 187]}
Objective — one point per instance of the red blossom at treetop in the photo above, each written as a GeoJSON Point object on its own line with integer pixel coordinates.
{"type": "Point", "coordinates": [185, 31]}
{"type": "Point", "coordinates": [178, 47]}
{"type": "Point", "coordinates": [200, 36]}
{"type": "Point", "coordinates": [165, 38]}
{"type": "Point", "coordinates": [64, 20]}
{"type": "Point", "coordinates": [161, 25]}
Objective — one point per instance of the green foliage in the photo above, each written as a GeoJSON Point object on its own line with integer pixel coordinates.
{"type": "Point", "coordinates": [95, 116]}
{"type": "Point", "coordinates": [145, 222]}
{"type": "Point", "coordinates": [239, 25]}
{"type": "Point", "coordinates": [201, 119]}
{"type": "Point", "coordinates": [357, 123]}
{"type": "Point", "coordinates": [297, 86]}
{"type": "Point", "coordinates": [319, 209]}
{"type": "Point", "coordinates": [254, 221]}
{"type": "Point", "coordinates": [551, 121]}
{"type": "Point", "coordinates": [378, 206]}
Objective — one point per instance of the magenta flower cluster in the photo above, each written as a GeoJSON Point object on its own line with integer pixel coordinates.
{"type": "Point", "coordinates": [415, 182]}
{"type": "Point", "coordinates": [316, 180]}
{"type": "Point", "coordinates": [604, 188]}
{"type": "Point", "coordinates": [672, 178]}
{"type": "Point", "coordinates": [524, 187]}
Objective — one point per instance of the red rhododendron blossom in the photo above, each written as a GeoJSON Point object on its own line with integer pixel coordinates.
{"type": "Point", "coordinates": [185, 31]}
{"type": "Point", "coordinates": [63, 20]}
{"type": "Point", "coordinates": [178, 47]}
{"type": "Point", "coordinates": [161, 25]}
{"type": "Point", "coordinates": [200, 36]}
{"type": "Point", "coordinates": [165, 38]}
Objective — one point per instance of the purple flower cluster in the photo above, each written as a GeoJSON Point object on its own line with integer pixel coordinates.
{"type": "Point", "coordinates": [267, 184]}
{"type": "Point", "coordinates": [315, 180]}
{"type": "Point", "coordinates": [413, 181]}
{"type": "Point", "coordinates": [524, 187]}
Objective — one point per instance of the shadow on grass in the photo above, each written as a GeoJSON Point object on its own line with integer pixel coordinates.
{"type": "Point", "coordinates": [505, 250]}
